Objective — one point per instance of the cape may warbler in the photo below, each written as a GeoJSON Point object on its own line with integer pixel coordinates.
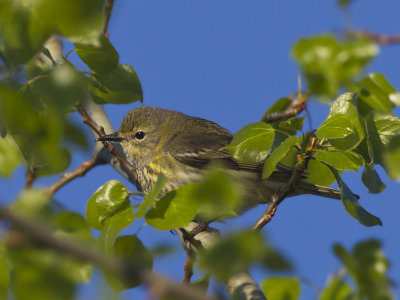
{"type": "Point", "coordinates": [158, 140]}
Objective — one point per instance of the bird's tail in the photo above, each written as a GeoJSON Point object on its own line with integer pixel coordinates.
{"type": "Point", "coordinates": [319, 190]}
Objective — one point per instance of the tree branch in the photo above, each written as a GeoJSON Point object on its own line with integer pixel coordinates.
{"type": "Point", "coordinates": [281, 194]}
{"type": "Point", "coordinates": [241, 286]}
{"type": "Point", "coordinates": [107, 14]}
{"type": "Point", "coordinates": [294, 108]}
{"type": "Point", "coordinates": [381, 38]}
{"type": "Point", "coordinates": [67, 177]}
{"type": "Point", "coordinates": [110, 148]}
{"type": "Point", "coordinates": [125, 270]}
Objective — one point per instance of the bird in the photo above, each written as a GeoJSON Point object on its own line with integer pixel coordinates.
{"type": "Point", "coordinates": [182, 147]}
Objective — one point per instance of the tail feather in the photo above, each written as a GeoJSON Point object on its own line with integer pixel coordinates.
{"type": "Point", "coordinates": [319, 190]}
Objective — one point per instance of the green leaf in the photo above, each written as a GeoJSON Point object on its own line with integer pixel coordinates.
{"type": "Point", "coordinates": [4, 273]}
{"type": "Point", "coordinates": [350, 203]}
{"type": "Point", "coordinates": [61, 88]}
{"type": "Point", "coordinates": [109, 203]}
{"type": "Point", "coordinates": [40, 283]}
{"type": "Point", "coordinates": [74, 19]}
{"type": "Point", "coordinates": [319, 173]}
{"type": "Point", "coordinates": [176, 209]}
{"type": "Point", "coordinates": [375, 93]}
{"type": "Point", "coordinates": [341, 160]}
{"type": "Point", "coordinates": [48, 274]}
{"type": "Point", "coordinates": [295, 123]}
{"type": "Point", "coordinates": [280, 105]}
{"type": "Point", "coordinates": [38, 134]}
{"type": "Point", "coordinates": [102, 58]}
{"type": "Point", "coordinates": [342, 128]}
{"type": "Point", "coordinates": [10, 157]}
{"type": "Point", "coordinates": [336, 127]}
{"type": "Point", "coordinates": [202, 283]}
{"type": "Point", "coordinates": [382, 136]}
{"type": "Point", "coordinates": [252, 143]}
{"type": "Point", "coordinates": [344, 3]}
{"type": "Point", "coordinates": [120, 86]}
{"type": "Point", "coordinates": [391, 158]}
{"type": "Point", "coordinates": [329, 63]}
{"type": "Point", "coordinates": [336, 289]}
{"type": "Point", "coordinates": [368, 266]}
{"type": "Point", "coordinates": [276, 155]}
{"type": "Point", "coordinates": [281, 288]}
{"type": "Point", "coordinates": [72, 226]}
{"type": "Point", "coordinates": [218, 195]}
{"type": "Point", "coordinates": [32, 202]}
{"type": "Point", "coordinates": [236, 252]}
{"type": "Point", "coordinates": [130, 249]}
{"type": "Point", "coordinates": [152, 196]}
{"type": "Point", "coordinates": [17, 43]}
{"type": "Point", "coordinates": [372, 181]}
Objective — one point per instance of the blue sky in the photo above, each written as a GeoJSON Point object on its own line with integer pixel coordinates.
{"type": "Point", "coordinates": [228, 61]}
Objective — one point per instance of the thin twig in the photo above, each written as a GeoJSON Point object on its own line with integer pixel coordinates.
{"type": "Point", "coordinates": [30, 177]}
{"type": "Point", "coordinates": [69, 176]}
{"type": "Point", "coordinates": [189, 262]}
{"type": "Point", "coordinates": [381, 38]}
{"type": "Point", "coordinates": [125, 270]}
{"type": "Point", "coordinates": [294, 108]}
{"type": "Point", "coordinates": [107, 14]}
{"type": "Point", "coordinates": [110, 148]}
{"type": "Point", "coordinates": [281, 194]}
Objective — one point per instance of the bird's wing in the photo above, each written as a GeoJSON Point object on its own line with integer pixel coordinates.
{"type": "Point", "coordinates": [199, 150]}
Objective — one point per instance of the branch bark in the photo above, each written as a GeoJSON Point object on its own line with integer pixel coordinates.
{"type": "Point", "coordinates": [241, 286]}
{"type": "Point", "coordinates": [121, 268]}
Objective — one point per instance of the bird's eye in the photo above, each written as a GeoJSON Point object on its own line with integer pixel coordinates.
{"type": "Point", "coordinates": [139, 135]}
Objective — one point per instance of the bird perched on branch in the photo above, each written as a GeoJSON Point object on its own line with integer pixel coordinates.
{"type": "Point", "coordinates": [158, 140]}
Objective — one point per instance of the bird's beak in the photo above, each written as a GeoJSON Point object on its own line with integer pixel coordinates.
{"type": "Point", "coordinates": [113, 137]}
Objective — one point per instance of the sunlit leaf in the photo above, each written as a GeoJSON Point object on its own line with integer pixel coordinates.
{"type": "Point", "coordinates": [281, 288]}
{"type": "Point", "coordinates": [110, 202]}
{"type": "Point", "coordinates": [276, 155]}
{"type": "Point", "coordinates": [341, 160]}
{"type": "Point", "coordinates": [252, 143]}
{"type": "Point", "coordinates": [295, 123]}
{"type": "Point", "coordinates": [342, 127]}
